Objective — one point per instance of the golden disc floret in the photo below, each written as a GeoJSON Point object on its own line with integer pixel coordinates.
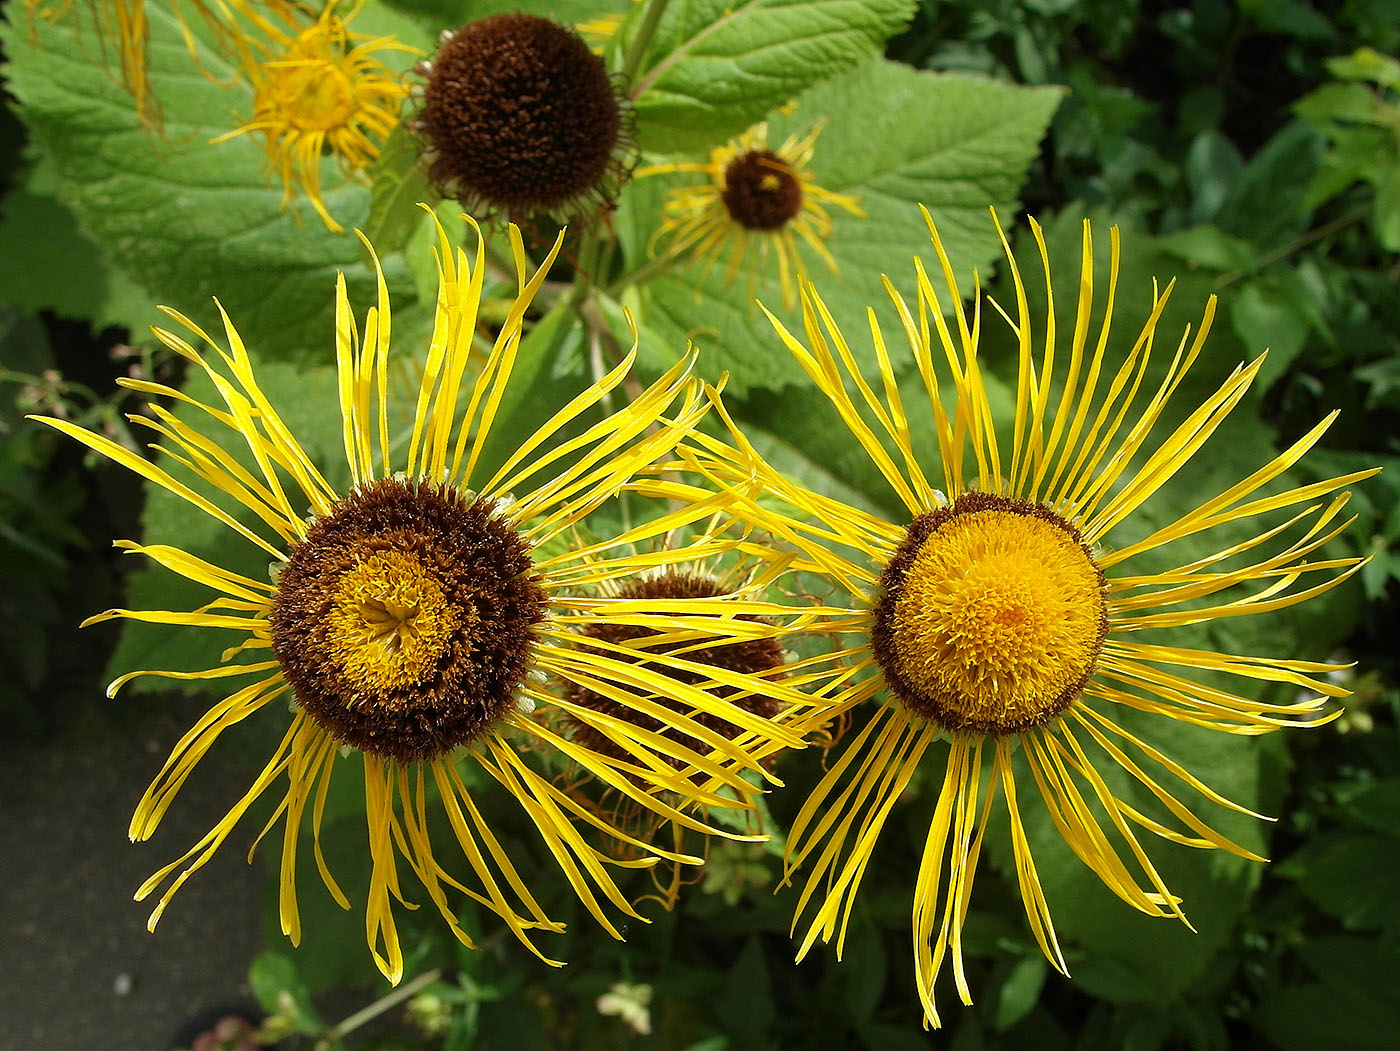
{"type": "Point", "coordinates": [405, 621]}
{"type": "Point", "coordinates": [992, 617]}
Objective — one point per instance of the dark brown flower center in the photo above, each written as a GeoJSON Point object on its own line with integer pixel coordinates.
{"type": "Point", "coordinates": [521, 114]}
{"type": "Point", "coordinates": [761, 192]}
{"type": "Point", "coordinates": [747, 656]}
{"type": "Point", "coordinates": [405, 620]}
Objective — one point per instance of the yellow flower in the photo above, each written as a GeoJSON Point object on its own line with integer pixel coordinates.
{"type": "Point", "coordinates": [597, 31]}
{"type": "Point", "coordinates": [758, 200]}
{"type": "Point", "coordinates": [126, 23]}
{"type": "Point", "coordinates": [317, 89]}
{"type": "Point", "coordinates": [995, 617]}
{"type": "Point", "coordinates": [748, 666]}
{"type": "Point", "coordinates": [413, 618]}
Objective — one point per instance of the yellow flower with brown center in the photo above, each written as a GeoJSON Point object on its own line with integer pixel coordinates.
{"type": "Point", "coordinates": [758, 206]}
{"type": "Point", "coordinates": [748, 667]}
{"type": "Point", "coordinates": [680, 658]}
{"type": "Point", "coordinates": [414, 617]}
{"type": "Point", "coordinates": [318, 89]}
{"type": "Point", "coordinates": [995, 617]}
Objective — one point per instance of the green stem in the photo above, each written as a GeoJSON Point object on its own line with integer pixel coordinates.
{"type": "Point", "coordinates": [383, 1004]}
{"type": "Point", "coordinates": [590, 253]}
{"type": "Point", "coordinates": [651, 268]}
{"type": "Point", "coordinates": [1308, 238]}
{"type": "Point", "coordinates": [637, 50]}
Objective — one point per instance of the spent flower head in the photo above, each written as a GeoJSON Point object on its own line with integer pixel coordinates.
{"type": "Point", "coordinates": [520, 117]}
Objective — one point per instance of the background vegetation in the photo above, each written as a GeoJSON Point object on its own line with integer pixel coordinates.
{"type": "Point", "coordinates": [1250, 149]}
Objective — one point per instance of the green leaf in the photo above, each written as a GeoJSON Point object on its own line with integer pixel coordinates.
{"type": "Point", "coordinates": [50, 265]}
{"type": "Point", "coordinates": [897, 138]}
{"type": "Point", "coordinates": [1373, 804]}
{"type": "Point", "coordinates": [1267, 203]}
{"type": "Point", "coordinates": [865, 968]}
{"type": "Point", "coordinates": [515, 1022]}
{"type": "Point", "coordinates": [1212, 165]}
{"type": "Point", "coordinates": [1366, 63]}
{"type": "Point", "coordinates": [716, 66]}
{"type": "Point", "coordinates": [1291, 18]}
{"type": "Point", "coordinates": [1266, 317]}
{"type": "Point", "coordinates": [462, 1036]}
{"type": "Point", "coordinates": [1385, 212]}
{"type": "Point", "coordinates": [746, 1004]}
{"type": "Point", "coordinates": [1118, 954]}
{"type": "Point", "coordinates": [1019, 993]}
{"type": "Point", "coordinates": [1352, 1006]}
{"type": "Point", "coordinates": [1207, 246]}
{"type": "Point", "coordinates": [710, 1043]}
{"type": "Point", "coordinates": [398, 183]}
{"type": "Point", "coordinates": [275, 982]}
{"type": "Point", "coordinates": [185, 218]}
{"type": "Point", "coordinates": [1337, 102]}
{"type": "Point", "coordinates": [1338, 874]}
{"type": "Point", "coordinates": [883, 1036]}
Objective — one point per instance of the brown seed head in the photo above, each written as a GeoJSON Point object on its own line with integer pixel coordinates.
{"type": "Point", "coordinates": [521, 115]}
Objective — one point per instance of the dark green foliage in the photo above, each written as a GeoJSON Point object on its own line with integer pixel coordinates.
{"type": "Point", "coordinates": [1249, 150]}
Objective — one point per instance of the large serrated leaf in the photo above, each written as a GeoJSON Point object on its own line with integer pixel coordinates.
{"type": "Point", "coordinates": [42, 254]}
{"type": "Point", "coordinates": [398, 183]}
{"type": "Point", "coordinates": [896, 138]}
{"type": "Point", "coordinates": [185, 218]}
{"type": "Point", "coordinates": [1121, 955]}
{"type": "Point", "coordinates": [449, 14]}
{"type": "Point", "coordinates": [715, 66]}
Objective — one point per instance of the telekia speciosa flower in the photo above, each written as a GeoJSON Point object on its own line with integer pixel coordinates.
{"type": "Point", "coordinates": [759, 207]}
{"type": "Point", "coordinates": [412, 620]}
{"type": "Point", "coordinates": [1016, 617]}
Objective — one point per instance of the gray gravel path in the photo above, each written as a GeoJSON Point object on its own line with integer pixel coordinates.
{"type": "Point", "coordinates": [80, 972]}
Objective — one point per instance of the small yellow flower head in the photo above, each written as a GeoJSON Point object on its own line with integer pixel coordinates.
{"type": "Point", "coordinates": [755, 194]}
{"type": "Point", "coordinates": [522, 118]}
{"type": "Point", "coordinates": [602, 28]}
{"type": "Point", "coordinates": [597, 31]}
{"type": "Point", "coordinates": [318, 89]}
